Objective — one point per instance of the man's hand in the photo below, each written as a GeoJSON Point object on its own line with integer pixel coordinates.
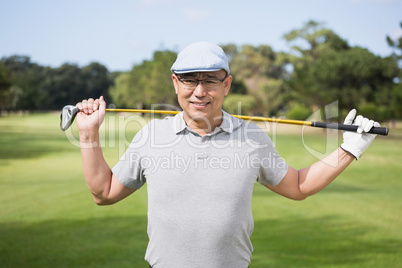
{"type": "Point", "coordinates": [357, 143]}
{"type": "Point", "coordinates": [91, 115]}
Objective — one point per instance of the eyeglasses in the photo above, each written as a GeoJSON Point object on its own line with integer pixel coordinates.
{"type": "Point", "coordinates": [191, 83]}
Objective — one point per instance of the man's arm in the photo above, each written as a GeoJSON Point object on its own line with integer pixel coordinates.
{"type": "Point", "coordinates": [104, 186]}
{"type": "Point", "coordinates": [299, 184]}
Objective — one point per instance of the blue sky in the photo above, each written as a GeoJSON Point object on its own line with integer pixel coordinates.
{"type": "Point", "coordinates": [121, 33]}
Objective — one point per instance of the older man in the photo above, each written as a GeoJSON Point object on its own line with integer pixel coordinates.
{"type": "Point", "coordinates": [200, 167]}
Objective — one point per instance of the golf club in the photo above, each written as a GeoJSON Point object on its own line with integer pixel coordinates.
{"type": "Point", "coordinates": [69, 112]}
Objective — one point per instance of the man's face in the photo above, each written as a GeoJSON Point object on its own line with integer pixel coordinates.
{"type": "Point", "coordinates": [205, 100]}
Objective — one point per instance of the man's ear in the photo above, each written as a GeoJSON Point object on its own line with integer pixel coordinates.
{"type": "Point", "coordinates": [175, 82]}
{"type": "Point", "coordinates": [228, 84]}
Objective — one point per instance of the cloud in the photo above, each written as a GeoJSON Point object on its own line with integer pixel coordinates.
{"type": "Point", "coordinates": [396, 34]}
{"type": "Point", "coordinates": [149, 2]}
{"type": "Point", "coordinates": [138, 45]}
{"type": "Point", "coordinates": [155, 3]}
{"type": "Point", "coordinates": [378, 1]}
{"type": "Point", "coordinates": [195, 14]}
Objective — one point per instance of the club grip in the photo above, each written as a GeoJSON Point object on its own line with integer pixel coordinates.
{"type": "Point", "coordinates": [374, 130]}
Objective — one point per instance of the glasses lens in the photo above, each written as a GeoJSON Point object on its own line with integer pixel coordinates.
{"type": "Point", "coordinates": [211, 83]}
{"type": "Point", "coordinates": [189, 83]}
{"type": "Point", "coordinates": [208, 83]}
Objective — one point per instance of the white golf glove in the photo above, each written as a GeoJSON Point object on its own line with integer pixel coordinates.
{"type": "Point", "coordinates": [357, 142]}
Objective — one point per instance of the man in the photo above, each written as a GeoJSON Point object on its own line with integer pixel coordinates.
{"type": "Point", "coordinates": [200, 167]}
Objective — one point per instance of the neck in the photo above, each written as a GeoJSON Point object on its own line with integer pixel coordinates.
{"type": "Point", "coordinates": [203, 125]}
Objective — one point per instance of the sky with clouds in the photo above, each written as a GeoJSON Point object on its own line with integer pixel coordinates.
{"type": "Point", "coordinates": [121, 33]}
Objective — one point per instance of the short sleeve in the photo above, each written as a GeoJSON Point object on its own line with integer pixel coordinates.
{"type": "Point", "coordinates": [273, 167]}
{"type": "Point", "coordinates": [129, 170]}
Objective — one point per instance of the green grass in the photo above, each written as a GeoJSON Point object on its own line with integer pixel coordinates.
{"type": "Point", "coordinates": [48, 217]}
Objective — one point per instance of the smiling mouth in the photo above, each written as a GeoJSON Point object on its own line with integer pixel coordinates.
{"type": "Point", "coordinates": [199, 104]}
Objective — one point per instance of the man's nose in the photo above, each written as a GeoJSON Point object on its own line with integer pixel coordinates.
{"type": "Point", "coordinates": [200, 90]}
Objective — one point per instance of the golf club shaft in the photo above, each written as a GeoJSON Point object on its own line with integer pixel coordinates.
{"type": "Point", "coordinates": [374, 130]}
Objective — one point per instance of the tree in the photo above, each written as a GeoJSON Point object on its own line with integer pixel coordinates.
{"type": "Point", "coordinates": [238, 86]}
{"type": "Point", "coordinates": [147, 84]}
{"type": "Point", "coordinates": [396, 45]}
{"type": "Point", "coordinates": [97, 80]}
{"type": "Point", "coordinates": [239, 104]}
{"type": "Point", "coordinates": [65, 85]}
{"type": "Point", "coordinates": [259, 68]}
{"type": "Point", "coordinates": [69, 84]}
{"type": "Point", "coordinates": [313, 38]}
{"type": "Point", "coordinates": [254, 62]}
{"type": "Point", "coordinates": [230, 51]}
{"type": "Point", "coordinates": [34, 87]}
{"type": "Point", "coordinates": [275, 92]}
{"type": "Point", "coordinates": [396, 94]}
{"type": "Point", "coordinates": [26, 79]}
{"type": "Point", "coordinates": [328, 70]}
{"type": "Point", "coordinates": [5, 85]}
{"type": "Point", "coordinates": [159, 79]}
{"type": "Point", "coordinates": [122, 92]}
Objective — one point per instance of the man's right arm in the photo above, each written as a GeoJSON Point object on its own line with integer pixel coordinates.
{"type": "Point", "coordinates": [104, 186]}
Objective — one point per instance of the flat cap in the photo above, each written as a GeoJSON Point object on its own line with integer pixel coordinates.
{"type": "Point", "coordinates": [201, 57]}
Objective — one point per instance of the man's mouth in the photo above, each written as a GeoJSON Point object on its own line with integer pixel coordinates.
{"type": "Point", "coordinates": [199, 105]}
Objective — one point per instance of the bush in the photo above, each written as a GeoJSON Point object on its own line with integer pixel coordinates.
{"type": "Point", "coordinates": [375, 112]}
{"type": "Point", "coordinates": [239, 104]}
{"type": "Point", "coordinates": [298, 112]}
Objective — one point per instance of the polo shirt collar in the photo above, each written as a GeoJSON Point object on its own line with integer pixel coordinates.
{"type": "Point", "coordinates": [229, 123]}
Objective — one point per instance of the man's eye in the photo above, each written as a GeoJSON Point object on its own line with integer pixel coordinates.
{"type": "Point", "coordinates": [211, 82]}
{"type": "Point", "coordinates": [189, 81]}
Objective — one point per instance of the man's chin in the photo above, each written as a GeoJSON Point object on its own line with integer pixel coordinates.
{"type": "Point", "coordinates": [199, 116]}
{"type": "Point", "coordinates": [202, 116]}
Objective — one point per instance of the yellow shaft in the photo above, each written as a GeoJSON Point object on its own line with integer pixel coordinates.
{"type": "Point", "coordinates": [244, 117]}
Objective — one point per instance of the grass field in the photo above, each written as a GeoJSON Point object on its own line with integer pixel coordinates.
{"type": "Point", "coordinates": [48, 217]}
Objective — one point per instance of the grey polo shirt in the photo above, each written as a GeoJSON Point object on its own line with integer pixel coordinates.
{"type": "Point", "coordinates": [200, 189]}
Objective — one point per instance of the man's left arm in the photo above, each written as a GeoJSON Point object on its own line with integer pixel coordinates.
{"type": "Point", "coordinates": [299, 184]}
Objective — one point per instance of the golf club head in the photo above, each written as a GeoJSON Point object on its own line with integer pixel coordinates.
{"type": "Point", "coordinates": [67, 116]}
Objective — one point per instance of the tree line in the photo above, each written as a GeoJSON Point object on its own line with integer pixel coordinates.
{"type": "Point", "coordinates": [321, 68]}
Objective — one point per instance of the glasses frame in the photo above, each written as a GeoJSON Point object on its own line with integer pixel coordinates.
{"type": "Point", "coordinates": [200, 80]}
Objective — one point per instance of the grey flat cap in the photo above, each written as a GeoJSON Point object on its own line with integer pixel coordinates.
{"type": "Point", "coordinates": [201, 57]}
